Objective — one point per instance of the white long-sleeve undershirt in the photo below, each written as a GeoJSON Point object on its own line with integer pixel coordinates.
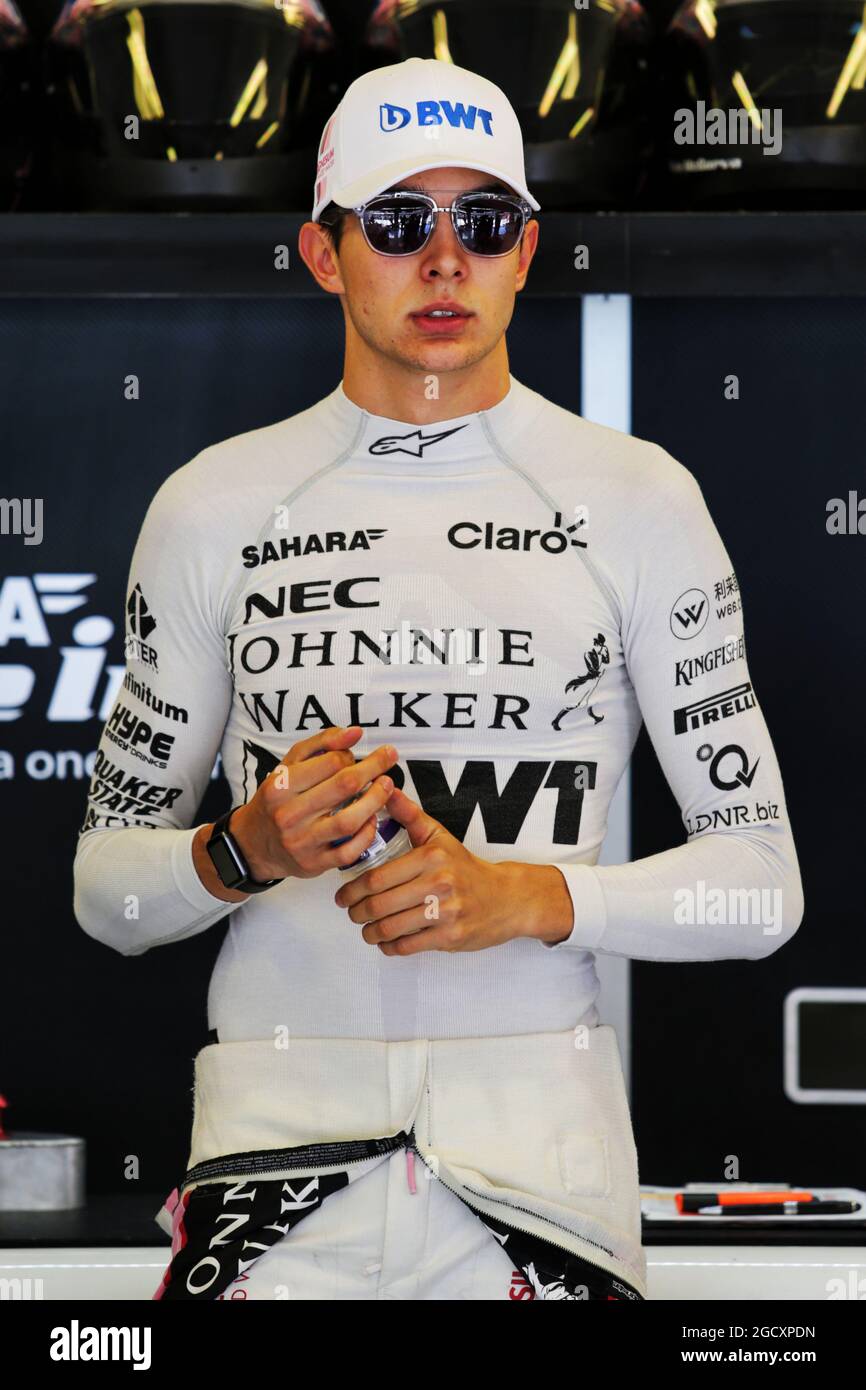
{"type": "Point", "coordinates": [504, 596]}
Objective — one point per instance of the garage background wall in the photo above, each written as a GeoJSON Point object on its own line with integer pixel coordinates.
{"type": "Point", "coordinates": [92, 1043]}
{"type": "Point", "coordinates": [768, 464]}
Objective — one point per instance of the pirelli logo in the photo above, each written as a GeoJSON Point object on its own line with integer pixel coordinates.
{"type": "Point", "coordinates": [714, 708]}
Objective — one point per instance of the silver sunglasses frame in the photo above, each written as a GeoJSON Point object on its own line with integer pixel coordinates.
{"type": "Point", "coordinates": [524, 207]}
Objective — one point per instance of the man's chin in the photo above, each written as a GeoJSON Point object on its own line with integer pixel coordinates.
{"type": "Point", "coordinates": [442, 355]}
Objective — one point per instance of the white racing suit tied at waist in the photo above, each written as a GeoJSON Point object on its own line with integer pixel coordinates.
{"type": "Point", "coordinates": [533, 1129]}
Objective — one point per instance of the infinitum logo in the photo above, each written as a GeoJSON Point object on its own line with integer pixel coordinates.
{"type": "Point", "coordinates": [75, 1343]}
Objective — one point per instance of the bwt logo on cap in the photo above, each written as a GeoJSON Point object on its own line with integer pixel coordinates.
{"type": "Point", "coordinates": [393, 117]}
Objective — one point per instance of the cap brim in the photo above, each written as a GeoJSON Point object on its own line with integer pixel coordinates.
{"type": "Point", "coordinates": [364, 188]}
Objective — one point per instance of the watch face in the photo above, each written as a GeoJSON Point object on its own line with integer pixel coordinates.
{"type": "Point", "coordinates": [225, 864]}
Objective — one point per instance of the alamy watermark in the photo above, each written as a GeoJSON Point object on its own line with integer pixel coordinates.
{"type": "Point", "coordinates": [727, 907]}
{"type": "Point", "coordinates": [714, 125]}
{"type": "Point", "coordinates": [22, 516]}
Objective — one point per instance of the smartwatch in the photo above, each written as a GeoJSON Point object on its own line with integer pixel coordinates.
{"type": "Point", "coordinates": [228, 859]}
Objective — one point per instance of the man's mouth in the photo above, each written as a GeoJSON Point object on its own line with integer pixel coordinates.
{"type": "Point", "coordinates": [438, 317]}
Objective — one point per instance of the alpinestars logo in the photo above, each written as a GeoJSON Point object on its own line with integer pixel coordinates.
{"type": "Point", "coordinates": [412, 443]}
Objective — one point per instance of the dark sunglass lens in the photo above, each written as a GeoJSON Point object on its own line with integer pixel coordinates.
{"type": "Point", "coordinates": [489, 228]}
{"type": "Point", "coordinates": [397, 228]}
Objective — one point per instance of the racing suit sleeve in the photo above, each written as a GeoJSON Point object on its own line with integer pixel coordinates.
{"type": "Point", "coordinates": [135, 884]}
{"type": "Point", "coordinates": [733, 890]}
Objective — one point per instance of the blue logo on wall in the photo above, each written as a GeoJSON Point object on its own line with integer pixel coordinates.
{"type": "Point", "coordinates": [393, 117]}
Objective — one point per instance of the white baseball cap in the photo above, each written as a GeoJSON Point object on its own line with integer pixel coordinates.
{"type": "Point", "coordinates": [420, 114]}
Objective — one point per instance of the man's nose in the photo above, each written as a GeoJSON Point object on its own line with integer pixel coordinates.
{"type": "Point", "coordinates": [444, 248]}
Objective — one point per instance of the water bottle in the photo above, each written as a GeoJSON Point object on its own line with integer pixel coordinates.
{"type": "Point", "coordinates": [389, 842]}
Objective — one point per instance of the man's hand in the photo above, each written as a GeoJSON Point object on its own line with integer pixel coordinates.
{"type": "Point", "coordinates": [287, 828]}
{"type": "Point", "coordinates": [440, 897]}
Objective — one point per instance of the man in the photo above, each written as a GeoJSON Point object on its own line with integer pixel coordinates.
{"type": "Point", "coordinates": [408, 573]}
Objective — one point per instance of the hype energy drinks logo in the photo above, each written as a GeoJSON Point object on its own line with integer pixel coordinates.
{"type": "Point", "coordinates": [55, 670]}
{"type": "Point", "coordinates": [431, 113]}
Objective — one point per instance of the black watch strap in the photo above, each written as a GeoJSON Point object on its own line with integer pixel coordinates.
{"type": "Point", "coordinates": [228, 859]}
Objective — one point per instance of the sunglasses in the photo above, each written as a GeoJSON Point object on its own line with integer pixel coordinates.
{"type": "Point", "coordinates": [402, 223]}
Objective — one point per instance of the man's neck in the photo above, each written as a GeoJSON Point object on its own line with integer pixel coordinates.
{"type": "Point", "coordinates": [420, 395]}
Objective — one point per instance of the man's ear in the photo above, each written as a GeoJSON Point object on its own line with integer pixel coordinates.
{"type": "Point", "coordinates": [320, 257]}
{"type": "Point", "coordinates": [528, 245]}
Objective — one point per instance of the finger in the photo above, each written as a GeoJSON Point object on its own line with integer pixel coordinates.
{"type": "Point", "coordinates": [332, 745]}
{"type": "Point", "coordinates": [400, 870]}
{"type": "Point", "coordinates": [418, 892]}
{"type": "Point", "coordinates": [431, 939]}
{"type": "Point", "coordinates": [325, 795]}
{"type": "Point", "coordinates": [318, 770]}
{"type": "Point", "coordinates": [350, 850]}
{"type": "Point", "coordinates": [294, 778]}
{"type": "Point", "coordinates": [398, 924]}
{"type": "Point", "coordinates": [337, 736]}
{"type": "Point", "coordinates": [327, 828]}
{"type": "Point", "coordinates": [409, 813]}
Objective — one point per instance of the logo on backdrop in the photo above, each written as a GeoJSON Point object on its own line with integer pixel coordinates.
{"type": "Point", "coordinates": [60, 673]}
{"type": "Point", "coordinates": [77, 683]}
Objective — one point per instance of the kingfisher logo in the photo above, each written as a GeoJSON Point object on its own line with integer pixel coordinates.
{"type": "Point", "coordinates": [393, 117]}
